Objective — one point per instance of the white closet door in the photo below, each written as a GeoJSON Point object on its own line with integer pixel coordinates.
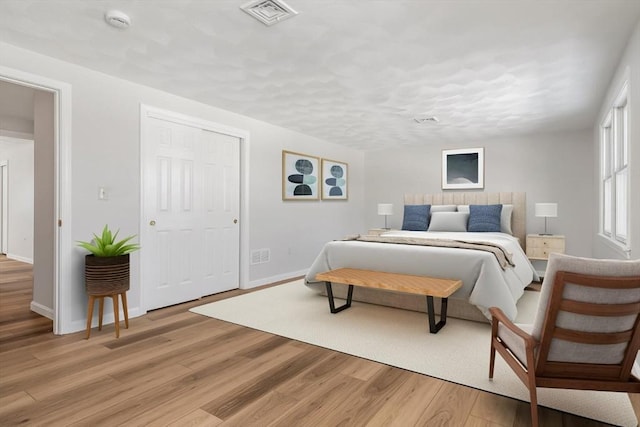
{"type": "Point", "coordinates": [221, 160]}
{"type": "Point", "coordinates": [190, 242]}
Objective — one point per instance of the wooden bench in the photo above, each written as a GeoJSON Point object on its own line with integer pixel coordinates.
{"type": "Point", "coordinates": [421, 285]}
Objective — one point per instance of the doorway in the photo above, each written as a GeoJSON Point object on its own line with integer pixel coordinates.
{"type": "Point", "coordinates": [50, 299]}
{"type": "Point", "coordinates": [17, 196]}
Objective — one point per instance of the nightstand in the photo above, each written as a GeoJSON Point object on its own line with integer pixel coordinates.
{"type": "Point", "coordinates": [539, 246]}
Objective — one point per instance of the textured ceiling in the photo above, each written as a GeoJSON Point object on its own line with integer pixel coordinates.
{"type": "Point", "coordinates": [355, 72]}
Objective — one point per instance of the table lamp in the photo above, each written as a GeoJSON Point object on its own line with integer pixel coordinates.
{"type": "Point", "coordinates": [546, 210]}
{"type": "Point", "coordinates": [385, 209]}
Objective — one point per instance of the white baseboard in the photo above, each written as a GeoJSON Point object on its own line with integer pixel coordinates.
{"type": "Point", "coordinates": [16, 134]}
{"type": "Point", "coordinates": [20, 258]}
{"type": "Point", "coordinates": [42, 310]}
{"type": "Point", "coordinates": [107, 319]}
{"type": "Point", "coordinates": [273, 279]}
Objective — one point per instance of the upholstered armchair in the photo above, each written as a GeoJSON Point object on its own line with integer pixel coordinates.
{"type": "Point", "coordinates": [586, 331]}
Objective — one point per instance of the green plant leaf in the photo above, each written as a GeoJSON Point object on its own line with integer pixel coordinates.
{"type": "Point", "coordinates": [129, 248]}
{"type": "Point", "coordinates": [106, 244]}
{"type": "Point", "coordinates": [91, 248]}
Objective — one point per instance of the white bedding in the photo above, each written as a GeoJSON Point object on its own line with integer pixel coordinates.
{"type": "Point", "coordinates": [485, 283]}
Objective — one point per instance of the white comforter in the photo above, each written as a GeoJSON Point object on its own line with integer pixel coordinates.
{"type": "Point", "coordinates": [484, 283]}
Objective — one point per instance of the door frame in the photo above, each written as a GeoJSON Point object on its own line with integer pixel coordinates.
{"type": "Point", "coordinates": [147, 111]}
{"type": "Point", "coordinates": [4, 208]}
{"type": "Point", "coordinates": [63, 244]}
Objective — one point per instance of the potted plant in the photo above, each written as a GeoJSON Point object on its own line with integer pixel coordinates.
{"type": "Point", "coordinates": [107, 266]}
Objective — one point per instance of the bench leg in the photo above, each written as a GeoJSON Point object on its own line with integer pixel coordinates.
{"type": "Point", "coordinates": [332, 305]}
{"type": "Point", "coordinates": [433, 326]}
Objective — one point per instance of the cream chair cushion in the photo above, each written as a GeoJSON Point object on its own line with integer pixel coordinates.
{"type": "Point", "coordinates": [565, 351]}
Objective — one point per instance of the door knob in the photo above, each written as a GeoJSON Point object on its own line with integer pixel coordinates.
{"type": "Point", "coordinates": [152, 222]}
{"type": "Point", "coordinates": [235, 221]}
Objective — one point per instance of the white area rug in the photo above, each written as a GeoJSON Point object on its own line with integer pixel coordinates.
{"type": "Point", "coordinates": [458, 353]}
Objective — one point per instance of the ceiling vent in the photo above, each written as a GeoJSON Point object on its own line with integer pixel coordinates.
{"type": "Point", "coordinates": [427, 119]}
{"type": "Point", "coordinates": [269, 12]}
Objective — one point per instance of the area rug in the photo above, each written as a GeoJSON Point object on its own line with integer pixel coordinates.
{"type": "Point", "coordinates": [458, 353]}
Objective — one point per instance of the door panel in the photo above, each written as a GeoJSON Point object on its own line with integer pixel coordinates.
{"type": "Point", "coordinates": [222, 195]}
{"type": "Point", "coordinates": [171, 276]}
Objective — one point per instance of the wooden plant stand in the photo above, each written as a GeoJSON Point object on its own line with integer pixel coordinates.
{"type": "Point", "coordinates": [116, 311]}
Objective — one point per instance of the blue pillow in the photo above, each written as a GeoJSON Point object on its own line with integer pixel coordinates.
{"type": "Point", "coordinates": [416, 217]}
{"type": "Point", "coordinates": [484, 218]}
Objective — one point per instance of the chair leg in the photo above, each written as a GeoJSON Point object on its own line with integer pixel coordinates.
{"type": "Point", "coordinates": [116, 314]}
{"type": "Point", "coordinates": [532, 386]}
{"type": "Point", "coordinates": [534, 406]}
{"type": "Point", "coordinates": [125, 309]}
{"type": "Point", "coordinates": [100, 312]}
{"type": "Point", "coordinates": [492, 360]}
{"type": "Point", "coordinates": [89, 315]}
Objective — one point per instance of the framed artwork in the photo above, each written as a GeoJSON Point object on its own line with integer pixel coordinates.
{"type": "Point", "coordinates": [463, 168]}
{"type": "Point", "coordinates": [300, 174]}
{"type": "Point", "coordinates": [335, 180]}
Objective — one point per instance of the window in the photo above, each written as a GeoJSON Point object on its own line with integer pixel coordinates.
{"type": "Point", "coordinates": [614, 169]}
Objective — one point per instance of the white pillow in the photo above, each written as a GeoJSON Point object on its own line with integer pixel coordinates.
{"type": "Point", "coordinates": [505, 217]}
{"type": "Point", "coordinates": [448, 221]}
{"type": "Point", "coordinates": [443, 208]}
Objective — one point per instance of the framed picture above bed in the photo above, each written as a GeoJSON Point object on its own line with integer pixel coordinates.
{"type": "Point", "coordinates": [463, 168]}
{"type": "Point", "coordinates": [335, 180]}
{"type": "Point", "coordinates": [300, 174]}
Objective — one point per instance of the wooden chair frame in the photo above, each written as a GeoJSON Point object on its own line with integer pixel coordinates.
{"type": "Point", "coordinates": [570, 375]}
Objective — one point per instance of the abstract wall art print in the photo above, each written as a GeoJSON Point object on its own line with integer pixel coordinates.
{"type": "Point", "coordinates": [335, 180]}
{"type": "Point", "coordinates": [300, 176]}
{"type": "Point", "coordinates": [463, 168]}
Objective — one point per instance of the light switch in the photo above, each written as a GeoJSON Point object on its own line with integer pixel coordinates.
{"type": "Point", "coordinates": [103, 194]}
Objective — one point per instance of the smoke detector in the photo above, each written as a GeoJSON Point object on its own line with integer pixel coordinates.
{"type": "Point", "coordinates": [269, 12]}
{"type": "Point", "coordinates": [117, 19]}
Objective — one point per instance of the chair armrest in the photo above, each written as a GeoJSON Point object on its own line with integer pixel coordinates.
{"type": "Point", "coordinates": [498, 316]}
{"type": "Point", "coordinates": [524, 368]}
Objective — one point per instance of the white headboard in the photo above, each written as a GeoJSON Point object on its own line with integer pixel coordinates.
{"type": "Point", "coordinates": [517, 199]}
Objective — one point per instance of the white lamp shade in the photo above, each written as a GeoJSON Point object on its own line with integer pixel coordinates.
{"type": "Point", "coordinates": [385, 209]}
{"type": "Point", "coordinates": [547, 209]}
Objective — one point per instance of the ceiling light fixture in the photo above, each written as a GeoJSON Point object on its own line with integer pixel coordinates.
{"type": "Point", "coordinates": [421, 120]}
{"type": "Point", "coordinates": [117, 19]}
{"type": "Point", "coordinates": [269, 12]}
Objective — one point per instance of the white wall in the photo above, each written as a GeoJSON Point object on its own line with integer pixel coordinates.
{"type": "Point", "coordinates": [19, 156]}
{"type": "Point", "coordinates": [16, 127]}
{"type": "Point", "coordinates": [105, 152]}
{"type": "Point", "coordinates": [548, 167]}
{"type": "Point", "coordinates": [628, 68]}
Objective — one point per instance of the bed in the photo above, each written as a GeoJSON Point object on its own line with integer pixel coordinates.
{"type": "Point", "coordinates": [487, 281]}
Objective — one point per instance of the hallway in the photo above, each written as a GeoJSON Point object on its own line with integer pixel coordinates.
{"type": "Point", "coordinates": [18, 324]}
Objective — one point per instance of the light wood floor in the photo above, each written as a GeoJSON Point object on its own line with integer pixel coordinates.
{"type": "Point", "coordinates": [175, 368]}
